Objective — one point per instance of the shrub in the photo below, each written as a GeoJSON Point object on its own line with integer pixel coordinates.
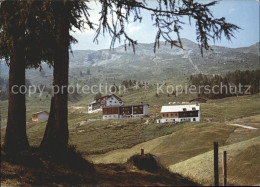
{"type": "Point", "coordinates": [147, 162]}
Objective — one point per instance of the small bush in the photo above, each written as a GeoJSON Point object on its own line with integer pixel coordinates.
{"type": "Point", "coordinates": [147, 162]}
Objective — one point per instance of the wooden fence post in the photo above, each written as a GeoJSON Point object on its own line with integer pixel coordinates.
{"type": "Point", "coordinates": [224, 167]}
{"type": "Point", "coordinates": [142, 151]}
{"type": "Point", "coordinates": [216, 177]}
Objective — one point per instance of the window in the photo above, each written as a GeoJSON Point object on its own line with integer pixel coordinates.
{"type": "Point", "coordinates": [173, 114]}
{"type": "Point", "coordinates": [193, 108]}
{"type": "Point", "coordinates": [194, 119]}
{"type": "Point", "coordinates": [165, 115]}
{"type": "Point", "coordinates": [184, 109]}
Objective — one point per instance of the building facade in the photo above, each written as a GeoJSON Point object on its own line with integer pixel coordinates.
{"type": "Point", "coordinates": [131, 111]}
{"type": "Point", "coordinates": [109, 100]}
{"type": "Point", "coordinates": [42, 115]}
{"type": "Point", "coordinates": [179, 113]}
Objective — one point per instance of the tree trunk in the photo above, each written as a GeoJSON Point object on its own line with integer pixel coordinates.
{"type": "Point", "coordinates": [57, 134]}
{"type": "Point", "coordinates": [15, 136]}
{"type": "Point", "coordinates": [49, 127]}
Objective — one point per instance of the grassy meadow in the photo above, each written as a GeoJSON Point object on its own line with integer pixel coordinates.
{"type": "Point", "coordinates": [184, 148]}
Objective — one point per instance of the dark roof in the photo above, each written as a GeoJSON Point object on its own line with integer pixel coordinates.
{"type": "Point", "coordinates": [40, 112]}
{"type": "Point", "coordinates": [198, 98]}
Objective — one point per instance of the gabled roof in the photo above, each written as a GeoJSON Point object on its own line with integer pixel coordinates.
{"type": "Point", "coordinates": [93, 102]}
{"type": "Point", "coordinates": [118, 98]}
{"type": "Point", "coordinates": [107, 96]}
{"type": "Point", "coordinates": [179, 108]}
{"type": "Point", "coordinates": [198, 98]}
{"type": "Point", "coordinates": [40, 112]}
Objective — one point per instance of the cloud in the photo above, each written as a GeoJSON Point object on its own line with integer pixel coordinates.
{"type": "Point", "coordinates": [94, 12]}
{"type": "Point", "coordinates": [231, 10]}
{"type": "Point", "coordinates": [133, 28]}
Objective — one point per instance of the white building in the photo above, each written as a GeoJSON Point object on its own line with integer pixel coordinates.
{"type": "Point", "coordinates": [180, 113]}
{"type": "Point", "coordinates": [109, 100]}
{"type": "Point", "coordinates": [42, 115]}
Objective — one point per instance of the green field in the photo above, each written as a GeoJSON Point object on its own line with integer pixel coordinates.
{"type": "Point", "coordinates": [180, 147]}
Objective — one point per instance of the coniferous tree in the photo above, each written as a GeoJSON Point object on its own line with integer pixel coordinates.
{"type": "Point", "coordinates": [21, 31]}
{"type": "Point", "coordinates": [68, 14]}
{"type": "Point", "coordinates": [65, 14]}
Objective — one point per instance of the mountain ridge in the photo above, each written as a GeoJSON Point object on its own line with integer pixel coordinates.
{"type": "Point", "coordinates": [188, 60]}
{"type": "Point", "coordinates": [117, 64]}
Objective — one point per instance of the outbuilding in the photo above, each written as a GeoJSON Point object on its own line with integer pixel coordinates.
{"type": "Point", "coordinates": [42, 115]}
{"type": "Point", "coordinates": [198, 100]}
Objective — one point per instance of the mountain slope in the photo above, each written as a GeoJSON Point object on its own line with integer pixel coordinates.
{"type": "Point", "coordinates": [242, 162]}
{"type": "Point", "coordinates": [171, 61]}
{"type": "Point", "coordinates": [145, 65]}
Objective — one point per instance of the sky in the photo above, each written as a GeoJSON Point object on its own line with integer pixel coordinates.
{"type": "Point", "coordinates": [243, 13]}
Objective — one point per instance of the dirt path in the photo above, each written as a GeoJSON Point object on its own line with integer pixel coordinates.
{"type": "Point", "coordinates": [194, 65]}
{"type": "Point", "coordinates": [244, 126]}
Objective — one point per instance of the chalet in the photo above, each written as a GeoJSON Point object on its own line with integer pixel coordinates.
{"type": "Point", "coordinates": [198, 100]}
{"type": "Point", "coordinates": [109, 100]}
{"type": "Point", "coordinates": [42, 115]}
{"type": "Point", "coordinates": [179, 113]}
{"type": "Point", "coordinates": [131, 111]}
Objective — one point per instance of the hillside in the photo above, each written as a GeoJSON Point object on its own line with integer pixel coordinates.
{"type": "Point", "coordinates": [242, 162]}
{"type": "Point", "coordinates": [105, 65]}
{"type": "Point", "coordinates": [114, 141]}
{"type": "Point", "coordinates": [188, 151]}
{"type": "Point", "coordinates": [183, 148]}
{"type": "Point", "coordinates": [31, 168]}
{"type": "Point", "coordinates": [167, 61]}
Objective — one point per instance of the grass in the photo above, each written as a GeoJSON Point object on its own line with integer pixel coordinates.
{"type": "Point", "coordinates": [176, 147]}
{"type": "Point", "coordinates": [241, 134]}
{"type": "Point", "coordinates": [121, 134]}
{"type": "Point", "coordinates": [242, 148]}
{"type": "Point", "coordinates": [188, 151]}
{"type": "Point", "coordinates": [114, 141]}
{"type": "Point", "coordinates": [243, 164]}
{"type": "Point", "coordinates": [30, 168]}
{"type": "Point", "coordinates": [112, 134]}
{"type": "Point", "coordinates": [231, 108]}
{"type": "Point", "coordinates": [248, 160]}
